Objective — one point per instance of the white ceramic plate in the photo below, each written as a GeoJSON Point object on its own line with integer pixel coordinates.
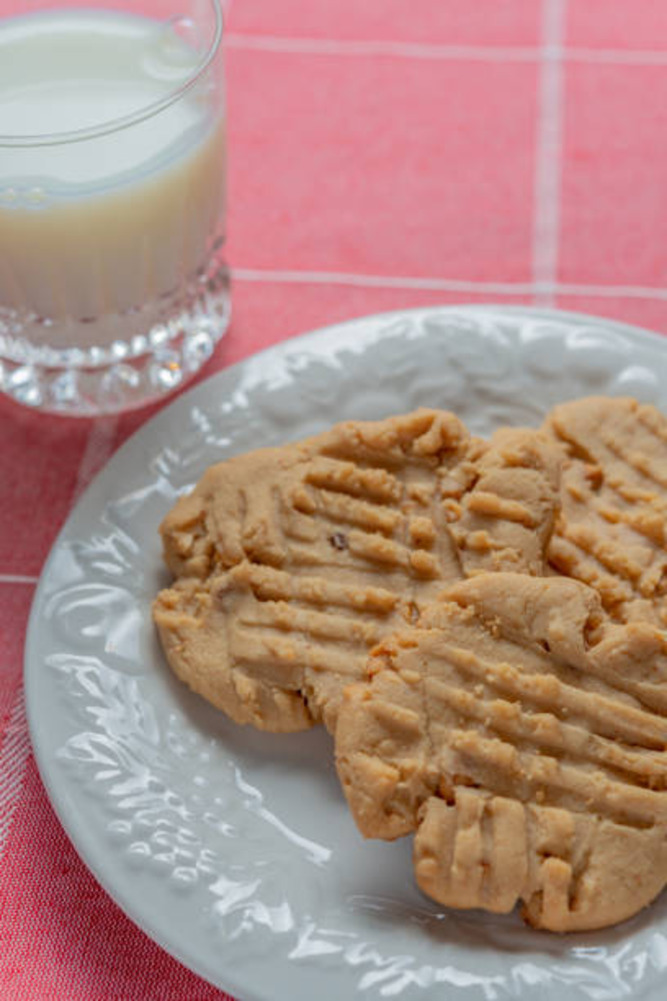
{"type": "Point", "coordinates": [234, 849]}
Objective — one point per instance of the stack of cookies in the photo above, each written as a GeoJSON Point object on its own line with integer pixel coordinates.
{"type": "Point", "coordinates": [479, 624]}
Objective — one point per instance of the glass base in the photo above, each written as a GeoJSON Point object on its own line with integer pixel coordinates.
{"type": "Point", "coordinates": [163, 345]}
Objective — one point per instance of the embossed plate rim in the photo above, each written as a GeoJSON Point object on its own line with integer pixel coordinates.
{"type": "Point", "coordinates": [71, 804]}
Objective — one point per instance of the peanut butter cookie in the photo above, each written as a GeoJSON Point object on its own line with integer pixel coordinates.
{"type": "Point", "coordinates": [521, 734]}
{"type": "Point", "coordinates": [293, 563]}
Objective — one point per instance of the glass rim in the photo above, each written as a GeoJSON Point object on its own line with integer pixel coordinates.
{"type": "Point", "coordinates": [134, 117]}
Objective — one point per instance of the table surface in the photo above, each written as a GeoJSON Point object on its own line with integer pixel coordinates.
{"type": "Point", "coordinates": [384, 154]}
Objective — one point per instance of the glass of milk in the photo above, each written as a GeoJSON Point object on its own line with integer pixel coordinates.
{"type": "Point", "coordinates": [113, 288]}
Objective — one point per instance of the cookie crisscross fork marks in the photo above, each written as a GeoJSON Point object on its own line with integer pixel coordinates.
{"type": "Point", "coordinates": [533, 728]}
{"type": "Point", "coordinates": [374, 492]}
{"type": "Point", "coordinates": [611, 532]}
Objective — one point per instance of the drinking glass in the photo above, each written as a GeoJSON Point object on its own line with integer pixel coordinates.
{"type": "Point", "coordinates": [113, 286]}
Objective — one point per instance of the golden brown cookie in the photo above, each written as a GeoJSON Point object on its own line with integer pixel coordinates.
{"type": "Point", "coordinates": [522, 737]}
{"type": "Point", "coordinates": [292, 563]}
{"type": "Point", "coordinates": [612, 529]}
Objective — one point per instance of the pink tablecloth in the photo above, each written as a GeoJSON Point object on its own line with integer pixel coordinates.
{"type": "Point", "coordinates": [385, 153]}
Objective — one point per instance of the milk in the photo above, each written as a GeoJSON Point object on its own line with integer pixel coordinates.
{"type": "Point", "coordinates": [107, 224]}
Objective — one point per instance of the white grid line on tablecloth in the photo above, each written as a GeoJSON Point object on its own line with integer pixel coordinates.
{"type": "Point", "coordinates": [281, 276]}
{"type": "Point", "coordinates": [463, 53]}
{"type": "Point", "coordinates": [400, 50]}
{"type": "Point", "coordinates": [17, 578]}
{"type": "Point", "coordinates": [16, 746]}
{"type": "Point", "coordinates": [302, 277]}
{"type": "Point", "coordinates": [13, 765]}
{"type": "Point", "coordinates": [615, 57]}
{"type": "Point", "coordinates": [548, 156]}
{"type": "Point", "coordinates": [99, 446]}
